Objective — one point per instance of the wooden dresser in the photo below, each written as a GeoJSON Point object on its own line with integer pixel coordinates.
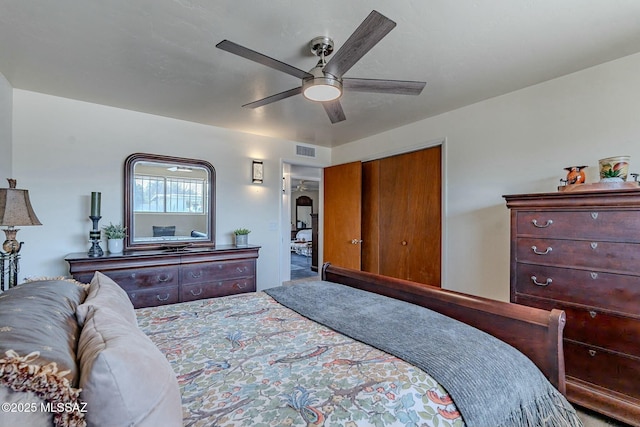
{"type": "Point", "coordinates": [580, 252]}
{"type": "Point", "coordinates": [154, 278]}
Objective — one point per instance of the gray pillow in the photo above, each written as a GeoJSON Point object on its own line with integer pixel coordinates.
{"type": "Point", "coordinates": [41, 316]}
{"type": "Point", "coordinates": [104, 292]}
{"type": "Point", "coordinates": [125, 379]}
{"type": "Point", "coordinates": [38, 341]}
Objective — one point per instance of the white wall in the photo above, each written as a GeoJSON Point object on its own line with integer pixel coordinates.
{"type": "Point", "coordinates": [6, 107]}
{"type": "Point", "coordinates": [65, 149]}
{"type": "Point", "coordinates": [516, 143]}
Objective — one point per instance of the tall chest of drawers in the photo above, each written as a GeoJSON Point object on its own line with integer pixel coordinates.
{"type": "Point", "coordinates": [153, 278]}
{"type": "Point", "coordinates": [580, 252]}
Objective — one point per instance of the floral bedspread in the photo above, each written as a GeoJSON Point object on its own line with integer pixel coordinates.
{"type": "Point", "coordinates": [246, 360]}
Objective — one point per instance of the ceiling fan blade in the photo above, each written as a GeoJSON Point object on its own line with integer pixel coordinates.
{"type": "Point", "coordinates": [252, 55]}
{"type": "Point", "coordinates": [400, 87]}
{"type": "Point", "coordinates": [334, 111]}
{"type": "Point", "coordinates": [274, 98]}
{"type": "Point", "coordinates": [366, 36]}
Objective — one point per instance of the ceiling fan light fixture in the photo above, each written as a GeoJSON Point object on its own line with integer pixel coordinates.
{"type": "Point", "coordinates": [322, 89]}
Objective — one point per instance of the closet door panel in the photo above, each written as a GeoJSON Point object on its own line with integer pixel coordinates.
{"type": "Point", "coordinates": [343, 215]}
{"type": "Point", "coordinates": [410, 216]}
{"type": "Point", "coordinates": [371, 216]}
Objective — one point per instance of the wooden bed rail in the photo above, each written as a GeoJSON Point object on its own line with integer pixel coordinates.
{"type": "Point", "coordinates": [536, 333]}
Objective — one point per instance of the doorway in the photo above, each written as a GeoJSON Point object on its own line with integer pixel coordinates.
{"type": "Point", "coordinates": [300, 222]}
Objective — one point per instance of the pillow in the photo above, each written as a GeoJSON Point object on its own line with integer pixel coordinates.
{"type": "Point", "coordinates": [25, 400]}
{"type": "Point", "coordinates": [38, 341]}
{"type": "Point", "coordinates": [104, 292]}
{"type": "Point", "coordinates": [304, 235]}
{"type": "Point", "coordinates": [40, 316]}
{"type": "Point", "coordinates": [125, 379]}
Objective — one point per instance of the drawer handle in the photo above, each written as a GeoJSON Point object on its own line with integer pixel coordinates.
{"type": "Point", "coordinates": [196, 275]}
{"type": "Point", "coordinates": [593, 314]}
{"type": "Point", "coordinates": [594, 245]}
{"type": "Point", "coordinates": [242, 270]}
{"type": "Point", "coordinates": [534, 279]}
{"type": "Point", "coordinates": [594, 215]}
{"type": "Point", "coordinates": [241, 285]}
{"type": "Point", "coordinates": [219, 284]}
{"type": "Point", "coordinates": [162, 299]}
{"type": "Point", "coordinates": [195, 294]}
{"type": "Point", "coordinates": [164, 278]}
{"type": "Point", "coordinates": [537, 252]}
{"type": "Point", "coordinates": [545, 225]}
{"type": "Point", "coordinates": [592, 353]}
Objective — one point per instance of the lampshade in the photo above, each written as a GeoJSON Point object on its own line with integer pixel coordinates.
{"type": "Point", "coordinates": [15, 207]}
{"type": "Point", "coordinates": [322, 92]}
{"type": "Point", "coordinates": [321, 87]}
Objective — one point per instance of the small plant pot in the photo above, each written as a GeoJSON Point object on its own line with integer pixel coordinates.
{"type": "Point", "coordinates": [115, 246]}
{"type": "Point", "coordinates": [614, 167]}
{"type": "Point", "coordinates": [242, 240]}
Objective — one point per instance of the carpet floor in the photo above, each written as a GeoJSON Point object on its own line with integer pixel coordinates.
{"type": "Point", "coordinates": [301, 267]}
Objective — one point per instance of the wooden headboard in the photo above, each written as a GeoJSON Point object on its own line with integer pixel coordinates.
{"type": "Point", "coordinates": [536, 333]}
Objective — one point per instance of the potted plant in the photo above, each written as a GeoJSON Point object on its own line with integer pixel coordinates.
{"type": "Point", "coordinates": [115, 237]}
{"type": "Point", "coordinates": [242, 236]}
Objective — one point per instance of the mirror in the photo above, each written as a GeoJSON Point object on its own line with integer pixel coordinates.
{"type": "Point", "coordinates": [304, 209]}
{"type": "Point", "coordinates": [168, 202]}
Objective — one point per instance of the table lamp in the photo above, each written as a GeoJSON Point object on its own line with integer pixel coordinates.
{"type": "Point", "coordinates": [15, 210]}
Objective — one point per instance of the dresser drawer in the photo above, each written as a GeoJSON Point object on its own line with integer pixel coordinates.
{"type": "Point", "coordinates": [616, 292]}
{"type": "Point", "coordinates": [597, 225]}
{"type": "Point", "coordinates": [144, 278]}
{"type": "Point", "coordinates": [604, 368]}
{"type": "Point", "coordinates": [208, 272]}
{"type": "Point", "coordinates": [217, 288]}
{"type": "Point", "coordinates": [593, 326]}
{"type": "Point", "coordinates": [154, 297]}
{"type": "Point", "coordinates": [594, 255]}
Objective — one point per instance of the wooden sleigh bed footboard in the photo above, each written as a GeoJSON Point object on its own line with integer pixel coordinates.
{"type": "Point", "coordinates": [534, 332]}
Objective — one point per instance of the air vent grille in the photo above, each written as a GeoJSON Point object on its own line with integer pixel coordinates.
{"type": "Point", "coordinates": [302, 150]}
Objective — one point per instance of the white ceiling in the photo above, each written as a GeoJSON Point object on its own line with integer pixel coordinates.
{"type": "Point", "coordinates": [159, 56]}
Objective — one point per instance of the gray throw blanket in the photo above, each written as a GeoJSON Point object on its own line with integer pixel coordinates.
{"type": "Point", "coordinates": [491, 383]}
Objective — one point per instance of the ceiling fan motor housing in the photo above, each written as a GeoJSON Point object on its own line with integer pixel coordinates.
{"type": "Point", "coordinates": [321, 46]}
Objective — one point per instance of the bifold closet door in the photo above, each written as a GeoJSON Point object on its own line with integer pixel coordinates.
{"type": "Point", "coordinates": [342, 215]}
{"type": "Point", "coordinates": [402, 216]}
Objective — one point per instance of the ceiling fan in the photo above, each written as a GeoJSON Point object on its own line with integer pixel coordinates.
{"type": "Point", "coordinates": [301, 186]}
{"type": "Point", "coordinates": [325, 83]}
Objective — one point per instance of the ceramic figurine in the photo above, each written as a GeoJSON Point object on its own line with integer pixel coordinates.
{"type": "Point", "coordinates": [575, 175]}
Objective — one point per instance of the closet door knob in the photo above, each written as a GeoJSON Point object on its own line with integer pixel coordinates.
{"type": "Point", "coordinates": [404, 243]}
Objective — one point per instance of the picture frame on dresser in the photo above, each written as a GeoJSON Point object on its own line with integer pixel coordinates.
{"type": "Point", "coordinates": [580, 252]}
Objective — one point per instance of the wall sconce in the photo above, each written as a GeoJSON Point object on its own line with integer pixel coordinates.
{"type": "Point", "coordinates": [257, 172]}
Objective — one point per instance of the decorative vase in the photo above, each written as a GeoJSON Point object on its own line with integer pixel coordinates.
{"type": "Point", "coordinates": [575, 175]}
{"type": "Point", "coordinates": [115, 245]}
{"type": "Point", "coordinates": [242, 240]}
{"type": "Point", "coordinates": [614, 167]}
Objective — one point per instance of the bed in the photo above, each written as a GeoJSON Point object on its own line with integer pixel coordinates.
{"type": "Point", "coordinates": [301, 245]}
{"type": "Point", "coordinates": [291, 355]}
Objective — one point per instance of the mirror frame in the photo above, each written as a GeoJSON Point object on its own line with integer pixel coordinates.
{"type": "Point", "coordinates": [303, 201]}
{"type": "Point", "coordinates": [129, 223]}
